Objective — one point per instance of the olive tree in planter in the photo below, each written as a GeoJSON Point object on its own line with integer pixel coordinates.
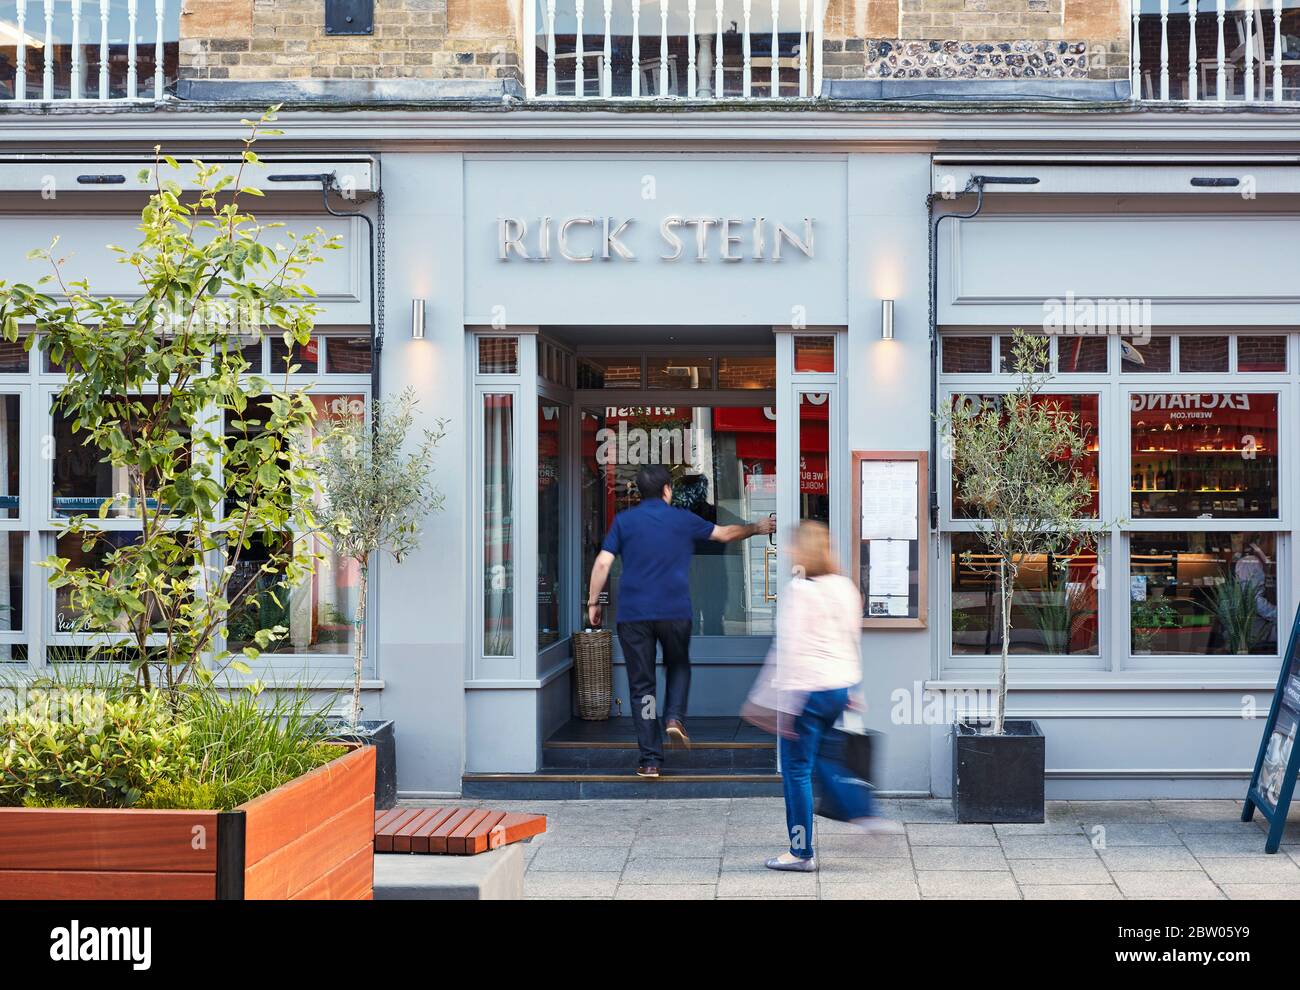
{"type": "Point", "coordinates": [149, 381]}
{"type": "Point", "coordinates": [377, 488]}
{"type": "Point", "coordinates": [1018, 466]}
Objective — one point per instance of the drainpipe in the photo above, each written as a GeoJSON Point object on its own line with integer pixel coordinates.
{"type": "Point", "coordinates": [329, 183]}
{"type": "Point", "coordinates": [976, 185]}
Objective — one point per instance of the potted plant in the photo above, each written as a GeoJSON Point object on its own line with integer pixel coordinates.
{"type": "Point", "coordinates": [375, 494]}
{"type": "Point", "coordinates": [1234, 604]}
{"type": "Point", "coordinates": [116, 791]}
{"type": "Point", "coordinates": [1018, 464]}
{"type": "Point", "coordinates": [1148, 618]}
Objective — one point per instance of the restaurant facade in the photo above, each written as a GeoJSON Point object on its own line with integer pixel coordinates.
{"type": "Point", "coordinates": [748, 302]}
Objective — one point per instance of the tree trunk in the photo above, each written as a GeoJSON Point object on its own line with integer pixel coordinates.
{"type": "Point", "coordinates": [1005, 587]}
{"type": "Point", "coordinates": [359, 646]}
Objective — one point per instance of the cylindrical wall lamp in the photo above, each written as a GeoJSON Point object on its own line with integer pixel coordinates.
{"type": "Point", "coordinates": [417, 319]}
{"type": "Point", "coordinates": [886, 319]}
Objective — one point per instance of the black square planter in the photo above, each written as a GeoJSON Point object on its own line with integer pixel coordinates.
{"type": "Point", "coordinates": [379, 734]}
{"type": "Point", "coordinates": [998, 778]}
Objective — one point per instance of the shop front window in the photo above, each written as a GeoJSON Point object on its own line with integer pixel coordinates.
{"type": "Point", "coordinates": [498, 524]}
{"type": "Point", "coordinates": [1085, 411]}
{"type": "Point", "coordinates": [814, 457]}
{"type": "Point", "coordinates": [550, 508]}
{"type": "Point", "coordinates": [1204, 455]}
{"type": "Point", "coordinates": [1203, 594]}
{"type": "Point", "coordinates": [723, 464]}
{"type": "Point", "coordinates": [1054, 605]}
{"type": "Point", "coordinates": [317, 616]}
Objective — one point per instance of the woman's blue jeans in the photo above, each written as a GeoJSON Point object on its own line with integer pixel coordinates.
{"type": "Point", "coordinates": [801, 758]}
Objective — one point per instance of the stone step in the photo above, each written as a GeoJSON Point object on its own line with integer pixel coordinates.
{"type": "Point", "coordinates": [573, 785]}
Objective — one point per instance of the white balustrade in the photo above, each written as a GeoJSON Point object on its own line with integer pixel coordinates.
{"type": "Point", "coordinates": [1242, 72]}
{"type": "Point", "coordinates": [706, 50]}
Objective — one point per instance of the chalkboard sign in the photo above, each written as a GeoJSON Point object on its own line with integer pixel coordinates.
{"type": "Point", "coordinates": [1278, 762]}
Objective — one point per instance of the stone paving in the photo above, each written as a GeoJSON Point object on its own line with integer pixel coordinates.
{"type": "Point", "coordinates": [714, 849]}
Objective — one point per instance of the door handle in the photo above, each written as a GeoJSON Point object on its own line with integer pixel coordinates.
{"type": "Point", "coordinates": [769, 558]}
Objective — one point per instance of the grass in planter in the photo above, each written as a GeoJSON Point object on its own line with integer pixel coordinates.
{"type": "Point", "coordinates": [245, 748]}
{"type": "Point", "coordinates": [92, 739]}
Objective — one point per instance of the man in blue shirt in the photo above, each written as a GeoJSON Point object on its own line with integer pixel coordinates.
{"type": "Point", "coordinates": [656, 542]}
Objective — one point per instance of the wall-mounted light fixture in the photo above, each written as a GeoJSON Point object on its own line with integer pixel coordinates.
{"type": "Point", "coordinates": [417, 319]}
{"type": "Point", "coordinates": [886, 319]}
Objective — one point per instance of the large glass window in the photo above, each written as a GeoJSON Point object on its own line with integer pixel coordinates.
{"type": "Point", "coordinates": [498, 446]}
{"type": "Point", "coordinates": [723, 464]}
{"type": "Point", "coordinates": [1203, 594]}
{"type": "Point", "coordinates": [550, 509]}
{"type": "Point", "coordinates": [1204, 455]}
{"type": "Point", "coordinates": [1087, 415]}
{"type": "Point", "coordinates": [1054, 605]}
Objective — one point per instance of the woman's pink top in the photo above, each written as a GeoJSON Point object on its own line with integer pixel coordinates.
{"type": "Point", "coordinates": [818, 644]}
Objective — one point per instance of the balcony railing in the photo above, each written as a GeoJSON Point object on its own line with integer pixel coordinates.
{"type": "Point", "coordinates": [87, 49]}
{"type": "Point", "coordinates": [1216, 50]}
{"type": "Point", "coordinates": [664, 49]}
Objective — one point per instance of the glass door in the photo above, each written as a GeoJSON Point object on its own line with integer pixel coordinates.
{"type": "Point", "coordinates": [723, 462]}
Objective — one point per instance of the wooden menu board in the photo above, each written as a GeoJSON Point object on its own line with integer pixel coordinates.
{"type": "Point", "coordinates": [890, 537]}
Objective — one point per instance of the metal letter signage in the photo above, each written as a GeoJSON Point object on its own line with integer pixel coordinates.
{"type": "Point", "coordinates": [590, 238]}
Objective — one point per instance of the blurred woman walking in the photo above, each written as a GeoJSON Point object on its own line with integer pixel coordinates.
{"type": "Point", "coordinates": [812, 675]}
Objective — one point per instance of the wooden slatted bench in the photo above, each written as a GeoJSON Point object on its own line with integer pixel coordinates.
{"type": "Point", "coordinates": [451, 831]}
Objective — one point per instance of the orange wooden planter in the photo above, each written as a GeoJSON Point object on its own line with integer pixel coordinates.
{"type": "Point", "coordinates": [311, 839]}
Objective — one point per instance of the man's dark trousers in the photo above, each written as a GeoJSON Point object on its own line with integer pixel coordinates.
{"type": "Point", "coordinates": [638, 640]}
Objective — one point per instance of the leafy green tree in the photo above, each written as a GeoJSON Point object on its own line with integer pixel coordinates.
{"type": "Point", "coordinates": [1018, 463]}
{"type": "Point", "coordinates": [375, 495]}
{"type": "Point", "coordinates": [150, 380]}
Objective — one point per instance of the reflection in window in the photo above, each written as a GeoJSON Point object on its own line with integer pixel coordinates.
{"type": "Point", "coordinates": [1007, 356]}
{"type": "Point", "coordinates": [1054, 606]}
{"type": "Point", "coordinates": [1266, 353]}
{"type": "Point", "coordinates": [1203, 594]}
{"type": "Point", "coordinates": [814, 354]}
{"type": "Point", "coordinates": [12, 567]}
{"type": "Point", "coordinates": [1087, 417]}
{"type": "Point", "coordinates": [1202, 354]}
{"type": "Point", "coordinates": [1153, 355]}
{"type": "Point", "coordinates": [962, 355]}
{"type": "Point", "coordinates": [347, 355]}
{"type": "Point", "coordinates": [609, 372]}
{"type": "Point", "coordinates": [1081, 354]}
{"type": "Point", "coordinates": [814, 459]}
{"type": "Point", "coordinates": [317, 614]}
{"type": "Point", "coordinates": [498, 355]}
{"type": "Point", "coordinates": [498, 525]}
{"type": "Point", "coordinates": [723, 465]}
{"type": "Point", "coordinates": [550, 505]}
{"type": "Point", "coordinates": [86, 553]}
{"type": "Point", "coordinates": [750, 371]}
{"type": "Point", "coordinates": [302, 358]}
{"type": "Point", "coordinates": [1204, 455]}
{"type": "Point", "coordinates": [83, 477]}
{"type": "Point", "coordinates": [679, 372]}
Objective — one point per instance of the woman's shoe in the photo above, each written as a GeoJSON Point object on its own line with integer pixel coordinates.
{"type": "Point", "coordinates": [795, 866]}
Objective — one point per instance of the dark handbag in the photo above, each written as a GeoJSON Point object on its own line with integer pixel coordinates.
{"type": "Point", "coordinates": [847, 753]}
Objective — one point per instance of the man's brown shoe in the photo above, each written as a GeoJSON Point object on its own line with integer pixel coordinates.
{"type": "Point", "coordinates": [648, 770]}
{"type": "Point", "coordinates": [677, 733]}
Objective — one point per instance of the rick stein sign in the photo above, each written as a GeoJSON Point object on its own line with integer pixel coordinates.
{"type": "Point", "coordinates": [582, 239]}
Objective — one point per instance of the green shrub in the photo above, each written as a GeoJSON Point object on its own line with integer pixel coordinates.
{"type": "Point", "coordinates": [84, 739]}
{"type": "Point", "coordinates": [90, 748]}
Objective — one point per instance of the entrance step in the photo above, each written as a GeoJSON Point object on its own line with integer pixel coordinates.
{"type": "Point", "coordinates": [576, 785]}
{"type": "Point", "coordinates": [717, 744]}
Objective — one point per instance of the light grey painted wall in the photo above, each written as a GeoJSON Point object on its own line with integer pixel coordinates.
{"type": "Point", "coordinates": [888, 400]}
{"type": "Point", "coordinates": [422, 637]}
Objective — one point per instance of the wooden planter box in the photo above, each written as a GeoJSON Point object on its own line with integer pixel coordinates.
{"type": "Point", "coordinates": [311, 839]}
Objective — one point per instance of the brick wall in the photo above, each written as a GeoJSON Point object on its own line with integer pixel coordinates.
{"type": "Point", "coordinates": [977, 39]}
{"type": "Point", "coordinates": [413, 39]}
